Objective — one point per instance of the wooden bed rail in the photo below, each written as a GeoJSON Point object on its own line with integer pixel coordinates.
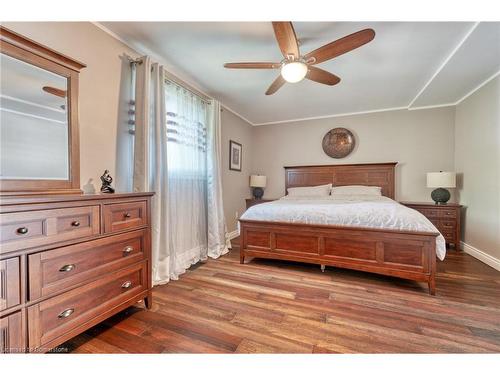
{"type": "Point", "coordinates": [404, 254]}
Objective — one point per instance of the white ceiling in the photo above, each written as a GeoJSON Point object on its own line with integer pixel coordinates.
{"type": "Point", "coordinates": [417, 63]}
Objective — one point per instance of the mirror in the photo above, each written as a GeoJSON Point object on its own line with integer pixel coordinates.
{"type": "Point", "coordinates": [34, 136]}
{"type": "Point", "coordinates": [39, 143]}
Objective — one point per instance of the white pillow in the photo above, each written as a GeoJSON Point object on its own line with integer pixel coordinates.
{"type": "Point", "coordinates": [310, 191]}
{"type": "Point", "coordinates": [312, 198]}
{"type": "Point", "coordinates": [357, 190]}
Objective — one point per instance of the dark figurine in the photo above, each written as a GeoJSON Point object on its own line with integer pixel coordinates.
{"type": "Point", "coordinates": [106, 183]}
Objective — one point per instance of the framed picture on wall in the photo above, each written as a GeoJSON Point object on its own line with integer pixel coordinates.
{"type": "Point", "coordinates": [235, 150]}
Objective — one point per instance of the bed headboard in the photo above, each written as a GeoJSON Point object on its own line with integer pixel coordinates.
{"type": "Point", "coordinates": [376, 174]}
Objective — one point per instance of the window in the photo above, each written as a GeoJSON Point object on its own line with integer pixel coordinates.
{"type": "Point", "coordinates": [186, 118]}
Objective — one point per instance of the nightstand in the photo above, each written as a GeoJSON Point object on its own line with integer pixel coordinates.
{"type": "Point", "coordinates": [446, 218]}
{"type": "Point", "coordinates": [252, 201]}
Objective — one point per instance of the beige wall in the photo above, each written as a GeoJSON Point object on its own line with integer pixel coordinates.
{"type": "Point", "coordinates": [235, 184]}
{"type": "Point", "coordinates": [104, 95]}
{"type": "Point", "coordinates": [103, 90]}
{"type": "Point", "coordinates": [421, 141]}
{"type": "Point", "coordinates": [477, 160]}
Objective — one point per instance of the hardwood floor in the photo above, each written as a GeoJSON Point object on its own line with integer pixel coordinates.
{"type": "Point", "coordinates": [268, 306]}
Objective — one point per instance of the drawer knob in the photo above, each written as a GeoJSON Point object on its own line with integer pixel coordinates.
{"type": "Point", "coordinates": [127, 284]}
{"type": "Point", "coordinates": [75, 223]}
{"type": "Point", "coordinates": [126, 214]}
{"type": "Point", "coordinates": [66, 313]}
{"type": "Point", "coordinates": [22, 230]}
{"type": "Point", "coordinates": [128, 249]}
{"type": "Point", "coordinates": [67, 268]}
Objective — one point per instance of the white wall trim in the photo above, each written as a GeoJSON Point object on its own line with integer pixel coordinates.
{"type": "Point", "coordinates": [477, 88]}
{"type": "Point", "coordinates": [111, 33]}
{"type": "Point", "coordinates": [408, 107]}
{"type": "Point", "coordinates": [330, 116]}
{"type": "Point", "coordinates": [457, 47]}
{"type": "Point", "coordinates": [238, 115]}
{"type": "Point", "coordinates": [481, 255]}
{"type": "Point", "coordinates": [432, 106]}
{"type": "Point", "coordinates": [232, 235]}
{"type": "Point", "coordinates": [171, 71]}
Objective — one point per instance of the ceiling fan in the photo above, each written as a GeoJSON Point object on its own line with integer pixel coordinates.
{"type": "Point", "coordinates": [295, 67]}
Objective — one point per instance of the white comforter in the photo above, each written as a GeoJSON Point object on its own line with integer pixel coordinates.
{"type": "Point", "coordinates": [353, 211]}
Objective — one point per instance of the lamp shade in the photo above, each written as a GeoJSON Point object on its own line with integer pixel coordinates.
{"type": "Point", "coordinates": [441, 180]}
{"type": "Point", "coordinates": [258, 181]}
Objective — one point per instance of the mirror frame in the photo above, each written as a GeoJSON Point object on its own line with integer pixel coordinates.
{"type": "Point", "coordinates": [31, 52]}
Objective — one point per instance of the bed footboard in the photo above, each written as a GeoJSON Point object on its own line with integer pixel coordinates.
{"type": "Point", "coordinates": [409, 255]}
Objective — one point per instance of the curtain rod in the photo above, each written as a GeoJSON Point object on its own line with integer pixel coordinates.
{"type": "Point", "coordinates": [171, 78]}
{"type": "Point", "coordinates": [137, 61]}
{"type": "Point", "coordinates": [202, 97]}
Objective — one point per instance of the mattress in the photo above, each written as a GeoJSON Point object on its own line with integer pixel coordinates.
{"type": "Point", "coordinates": [360, 211]}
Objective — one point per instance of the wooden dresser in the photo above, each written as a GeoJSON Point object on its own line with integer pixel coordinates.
{"type": "Point", "coordinates": [446, 218]}
{"type": "Point", "coordinates": [69, 262]}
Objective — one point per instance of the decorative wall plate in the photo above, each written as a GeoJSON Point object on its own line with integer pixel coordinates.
{"type": "Point", "coordinates": [338, 143]}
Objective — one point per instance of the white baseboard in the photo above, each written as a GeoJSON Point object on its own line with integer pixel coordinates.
{"type": "Point", "coordinates": [232, 235]}
{"type": "Point", "coordinates": [481, 255]}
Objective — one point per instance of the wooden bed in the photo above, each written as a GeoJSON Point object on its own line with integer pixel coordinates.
{"type": "Point", "coordinates": [404, 254]}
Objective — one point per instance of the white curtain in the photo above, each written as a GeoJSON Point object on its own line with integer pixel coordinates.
{"type": "Point", "coordinates": [177, 154]}
{"type": "Point", "coordinates": [187, 116]}
{"type": "Point", "coordinates": [150, 157]}
{"type": "Point", "coordinates": [218, 242]}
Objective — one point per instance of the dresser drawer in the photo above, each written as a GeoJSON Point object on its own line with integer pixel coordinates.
{"type": "Point", "coordinates": [68, 312]}
{"type": "Point", "coordinates": [428, 212]}
{"type": "Point", "coordinates": [55, 270]}
{"type": "Point", "coordinates": [23, 230]}
{"type": "Point", "coordinates": [121, 216]}
{"type": "Point", "coordinates": [449, 235]}
{"type": "Point", "coordinates": [10, 283]}
{"type": "Point", "coordinates": [448, 212]}
{"type": "Point", "coordinates": [12, 334]}
{"type": "Point", "coordinates": [447, 225]}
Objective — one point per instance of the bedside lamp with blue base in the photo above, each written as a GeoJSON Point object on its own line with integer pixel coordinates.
{"type": "Point", "coordinates": [441, 180]}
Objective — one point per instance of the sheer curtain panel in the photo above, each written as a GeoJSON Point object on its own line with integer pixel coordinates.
{"type": "Point", "coordinates": [218, 242]}
{"type": "Point", "coordinates": [186, 128]}
{"type": "Point", "coordinates": [177, 154]}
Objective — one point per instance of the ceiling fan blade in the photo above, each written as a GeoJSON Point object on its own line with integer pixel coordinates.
{"type": "Point", "coordinates": [276, 85]}
{"type": "Point", "coordinates": [340, 46]}
{"type": "Point", "coordinates": [321, 76]}
{"type": "Point", "coordinates": [252, 65]}
{"type": "Point", "coordinates": [54, 91]}
{"type": "Point", "coordinates": [287, 40]}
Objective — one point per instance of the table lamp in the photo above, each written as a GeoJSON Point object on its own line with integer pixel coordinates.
{"type": "Point", "coordinates": [441, 180]}
{"type": "Point", "coordinates": [258, 182]}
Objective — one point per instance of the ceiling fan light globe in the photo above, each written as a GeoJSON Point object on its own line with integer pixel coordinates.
{"type": "Point", "coordinates": [294, 71]}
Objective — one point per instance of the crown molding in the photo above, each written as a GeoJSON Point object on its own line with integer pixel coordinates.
{"type": "Point", "coordinates": [143, 51]}
{"type": "Point", "coordinates": [409, 107]}
{"type": "Point", "coordinates": [331, 116]}
{"type": "Point", "coordinates": [445, 62]}
{"type": "Point", "coordinates": [478, 87]}
{"type": "Point", "coordinates": [238, 115]}
{"type": "Point", "coordinates": [432, 106]}
{"type": "Point", "coordinates": [112, 34]}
